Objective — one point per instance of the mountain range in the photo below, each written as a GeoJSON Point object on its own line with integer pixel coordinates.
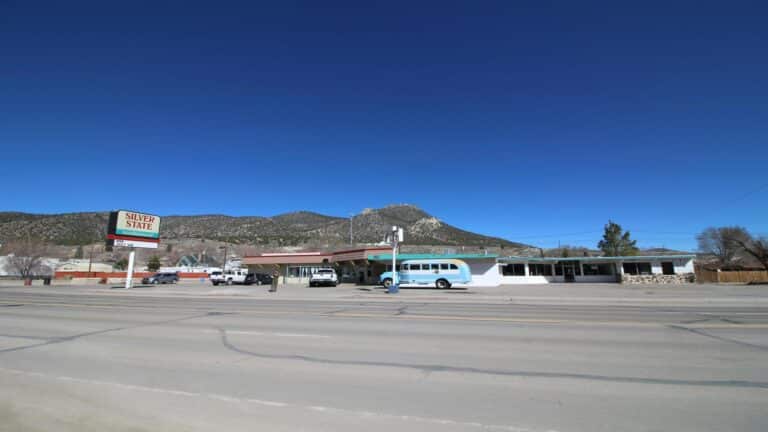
{"type": "Point", "coordinates": [302, 228]}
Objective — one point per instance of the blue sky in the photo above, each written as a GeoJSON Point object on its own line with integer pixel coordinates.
{"type": "Point", "coordinates": [534, 121]}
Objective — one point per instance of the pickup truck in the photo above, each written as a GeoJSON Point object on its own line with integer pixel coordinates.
{"type": "Point", "coordinates": [325, 276]}
{"type": "Point", "coordinates": [229, 277]}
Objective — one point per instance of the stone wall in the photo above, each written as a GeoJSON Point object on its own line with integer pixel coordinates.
{"type": "Point", "coordinates": [659, 279]}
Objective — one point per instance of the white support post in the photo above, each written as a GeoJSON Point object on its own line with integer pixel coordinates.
{"type": "Point", "coordinates": [129, 275]}
{"type": "Point", "coordinates": [394, 263]}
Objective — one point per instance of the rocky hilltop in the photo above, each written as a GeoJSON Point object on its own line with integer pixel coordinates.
{"type": "Point", "coordinates": [303, 228]}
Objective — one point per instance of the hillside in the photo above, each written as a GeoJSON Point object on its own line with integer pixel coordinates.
{"type": "Point", "coordinates": [290, 229]}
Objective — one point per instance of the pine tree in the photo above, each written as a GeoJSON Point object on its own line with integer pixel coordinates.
{"type": "Point", "coordinates": [153, 264]}
{"type": "Point", "coordinates": [121, 264]}
{"type": "Point", "coordinates": [616, 242]}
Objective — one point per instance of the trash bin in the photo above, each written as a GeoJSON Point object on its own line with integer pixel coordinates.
{"type": "Point", "coordinates": [27, 282]}
{"type": "Point", "coordinates": [46, 281]}
{"type": "Point", "coordinates": [393, 289]}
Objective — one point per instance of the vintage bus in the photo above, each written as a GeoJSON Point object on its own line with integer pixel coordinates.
{"type": "Point", "coordinates": [441, 273]}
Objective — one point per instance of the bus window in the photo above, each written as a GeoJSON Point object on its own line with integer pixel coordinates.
{"type": "Point", "coordinates": [454, 267]}
{"type": "Point", "coordinates": [415, 266]}
{"type": "Point", "coordinates": [435, 267]}
{"type": "Point", "coordinates": [443, 266]}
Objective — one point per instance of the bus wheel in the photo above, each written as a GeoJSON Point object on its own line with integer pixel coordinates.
{"type": "Point", "coordinates": [442, 284]}
{"type": "Point", "coordinates": [387, 282]}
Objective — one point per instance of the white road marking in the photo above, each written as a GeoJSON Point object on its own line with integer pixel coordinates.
{"type": "Point", "coordinates": [275, 404]}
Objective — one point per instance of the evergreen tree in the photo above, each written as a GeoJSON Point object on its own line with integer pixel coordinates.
{"type": "Point", "coordinates": [616, 242]}
{"type": "Point", "coordinates": [153, 264]}
{"type": "Point", "coordinates": [121, 264]}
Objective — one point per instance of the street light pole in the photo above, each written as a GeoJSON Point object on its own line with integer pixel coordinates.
{"type": "Point", "coordinates": [90, 261]}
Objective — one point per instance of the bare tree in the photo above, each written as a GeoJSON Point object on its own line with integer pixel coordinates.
{"type": "Point", "coordinates": [25, 258]}
{"type": "Point", "coordinates": [721, 243]}
{"type": "Point", "coordinates": [757, 247]}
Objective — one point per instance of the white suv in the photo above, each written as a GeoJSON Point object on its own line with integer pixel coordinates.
{"type": "Point", "coordinates": [229, 277]}
{"type": "Point", "coordinates": [325, 276]}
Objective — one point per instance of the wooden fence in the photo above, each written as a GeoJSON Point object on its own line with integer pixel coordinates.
{"type": "Point", "coordinates": [733, 276]}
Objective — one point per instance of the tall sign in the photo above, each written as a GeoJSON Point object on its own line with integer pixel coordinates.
{"type": "Point", "coordinates": [132, 229]}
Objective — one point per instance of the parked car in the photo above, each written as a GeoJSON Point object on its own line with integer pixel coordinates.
{"type": "Point", "coordinates": [325, 276]}
{"type": "Point", "coordinates": [229, 277]}
{"type": "Point", "coordinates": [161, 278]}
{"type": "Point", "coordinates": [258, 279]}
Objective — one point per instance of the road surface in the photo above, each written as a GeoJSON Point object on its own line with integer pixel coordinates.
{"type": "Point", "coordinates": [122, 362]}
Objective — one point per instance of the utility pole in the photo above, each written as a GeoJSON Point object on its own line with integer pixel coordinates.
{"type": "Point", "coordinates": [224, 264]}
{"type": "Point", "coordinates": [90, 260]}
{"type": "Point", "coordinates": [351, 217]}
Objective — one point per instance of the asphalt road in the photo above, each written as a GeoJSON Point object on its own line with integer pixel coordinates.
{"type": "Point", "coordinates": [122, 362]}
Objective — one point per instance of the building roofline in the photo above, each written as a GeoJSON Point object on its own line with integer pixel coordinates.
{"type": "Point", "coordinates": [406, 256]}
{"type": "Point", "coordinates": [600, 258]}
{"type": "Point", "coordinates": [319, 253]}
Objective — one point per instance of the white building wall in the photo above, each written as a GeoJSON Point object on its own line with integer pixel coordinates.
{"type": "Point", "coordinates": [485, 272]}
{"type": "Point", "coordinates": [684, 266]}
{"type": "Point", "coordinates": [656, 267]}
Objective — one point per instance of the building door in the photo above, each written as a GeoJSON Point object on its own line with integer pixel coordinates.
{"type": "Point", "coordinates": [668, 268]}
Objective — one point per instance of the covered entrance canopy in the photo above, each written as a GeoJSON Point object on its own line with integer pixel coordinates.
{"type": "Point", "coordinates": [352, 265]}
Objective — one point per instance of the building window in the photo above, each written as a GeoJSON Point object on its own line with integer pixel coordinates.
{"type": "Point", "coordinates": [540, 269]}
{"type": "Point", "coordinates": [513, 270]}
{"type": "Point", "coordinates": [668, 268]}
{"type": "Point", "coordinates": [571, 267]}
{"type": "Point", "coordinates": [638, 268]}
{"type": "Point", "coordinates": [598, 269]}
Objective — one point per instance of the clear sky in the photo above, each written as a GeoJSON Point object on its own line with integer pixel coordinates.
{"type": "Point", "coordinates": [535, 121]}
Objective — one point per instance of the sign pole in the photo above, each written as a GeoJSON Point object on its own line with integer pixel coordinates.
{"type": "Point", "coordinates": [129, 276]}
{"type": "Point", "coordinates": [397, 234]}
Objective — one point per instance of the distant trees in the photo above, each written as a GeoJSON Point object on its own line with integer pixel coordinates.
{"type": "Point", "coordinates": [567, 251]}
{"type": "Point", "coordinates": [617, 242]}
{"type": "Point", "coordinates": [730, 245]}
{"type": "Point", "coordinates": [25, 258]}
{"type": "Point", "coordinates": [121, 264]}
{"type": "Point", "coordinates": [153, 264]}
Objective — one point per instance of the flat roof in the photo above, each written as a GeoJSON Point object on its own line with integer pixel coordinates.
{"type": "Point", "coordinates": [315, 257]}
{"type": "Point", "coordinates": [407, 256]}
{"type": "Point", "coordinates": [599, 258]}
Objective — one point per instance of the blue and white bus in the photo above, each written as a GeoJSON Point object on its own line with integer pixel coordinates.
{"type": "Point", "coordinates": [442, 273]}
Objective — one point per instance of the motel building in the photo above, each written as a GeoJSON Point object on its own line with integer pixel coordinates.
{"type": "Point", "coordinates": [627, 269]}
{"type": "Point", "coordinates": [364, 265]}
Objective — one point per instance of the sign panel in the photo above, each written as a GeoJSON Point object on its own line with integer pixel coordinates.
{"type": "Point", "coordinates": [134, 243]}
{"type": "Point", "coordinates": [128, 228]}
{"type": "Point", "coordinates": [135, 224]}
